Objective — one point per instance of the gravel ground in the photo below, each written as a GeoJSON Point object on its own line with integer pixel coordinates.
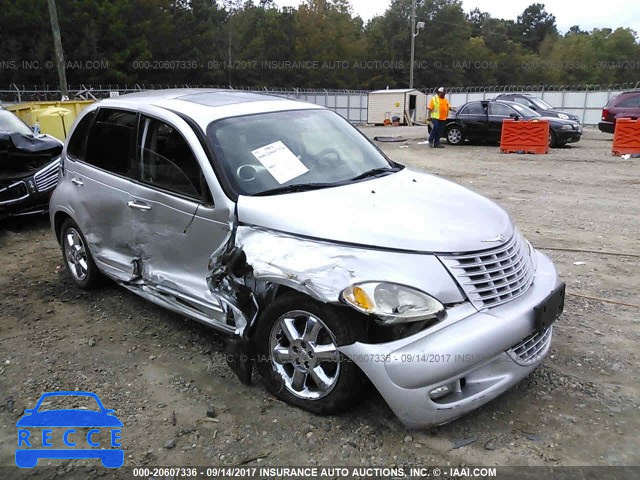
{"type": "Point", "coordinates": [181, 405]}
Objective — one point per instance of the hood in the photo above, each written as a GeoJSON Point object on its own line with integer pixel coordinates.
{"type": "Point", "coordinates": [554, 114]}
{"type": "Point", "coordinates": [559, 121]}
{"type": "Point", "coordinates": [407, 210]}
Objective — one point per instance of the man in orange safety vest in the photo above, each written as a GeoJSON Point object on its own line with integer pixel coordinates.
{"type": "Point", "coordinates": [438, 111]}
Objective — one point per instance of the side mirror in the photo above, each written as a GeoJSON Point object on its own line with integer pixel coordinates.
{"type": "Point", "coordinates": [515, 116]}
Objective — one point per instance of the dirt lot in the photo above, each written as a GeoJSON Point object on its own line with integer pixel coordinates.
{"type": "Point", "coordinates": [161, 373]}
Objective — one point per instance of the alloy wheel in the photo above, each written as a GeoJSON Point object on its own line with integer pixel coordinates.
{"type": "Point", "coordinates": [75, 253]}
{"type": "Point", "coordinates": [454, 136]}
{"type": "Point", "coordinates": [304, 353]}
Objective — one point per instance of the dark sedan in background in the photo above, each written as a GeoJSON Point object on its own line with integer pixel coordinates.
{"type": "Point", "coordinates": [537, 105]}
{"type": "Point", "coordinates": [482, 121]}
{"type": "Point", "coordinates": [29, 167]}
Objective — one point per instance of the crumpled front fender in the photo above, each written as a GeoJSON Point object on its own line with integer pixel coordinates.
{"type": "Point", "coordinates": [323, 270]}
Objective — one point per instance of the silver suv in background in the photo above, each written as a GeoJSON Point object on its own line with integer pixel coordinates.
{"type": "Point", "coordinates": [279, 224]}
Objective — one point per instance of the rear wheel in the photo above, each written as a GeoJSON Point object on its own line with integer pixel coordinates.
{"type": "Point", "coordinates": [77, 257]}
{"type": "Point", "coordinates": [455, 135]}
{"type": "Point", "coordinates": [297, 342]}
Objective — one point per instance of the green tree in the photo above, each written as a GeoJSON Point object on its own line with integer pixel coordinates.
{"type": "Point", "coordinates": [534, 25]}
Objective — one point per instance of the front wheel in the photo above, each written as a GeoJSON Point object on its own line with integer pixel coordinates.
{"type": "Point", "coordinates": [77, 257]}
{"type": "Point", "coordinates": [455, 135]}
{"type": "Point", "coordinates": [297, 343]}
{"type": "Point", "coordinates": [553, 142]}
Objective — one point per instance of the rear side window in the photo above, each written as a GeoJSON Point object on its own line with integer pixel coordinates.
{"type": "Point", "coordinates": [473, 109]}
{"type": "Point", "coordinates": [630, 102]}
{"type": "Point", "coordinates": [168, 162]}
{"type": "Point", "coordinates": [500, 109]}
{"type": "Point", "coordinates": [112, 140]}
{"type": "Point", "coordinates": [78, 141]}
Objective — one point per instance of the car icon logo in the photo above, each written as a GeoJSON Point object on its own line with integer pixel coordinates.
{"type": "Point", "coordinates": [63, 425]}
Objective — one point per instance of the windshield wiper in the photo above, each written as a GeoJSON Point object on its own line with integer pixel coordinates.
{"type": "Point", "coordinates": [301, 187]}
{"type": "Point", "coordinates": [374, 173]}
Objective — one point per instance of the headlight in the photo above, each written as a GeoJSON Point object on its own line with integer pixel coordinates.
{"type": "Point", "coordinates": [392, 303]}
{"type": "Point", "coordinates": [563, 116]}
{"type": "Point", "coordinates": [567, 127]}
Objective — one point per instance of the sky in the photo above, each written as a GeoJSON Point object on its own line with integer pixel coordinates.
{"type": "Point", "coordinates": [587, 14]}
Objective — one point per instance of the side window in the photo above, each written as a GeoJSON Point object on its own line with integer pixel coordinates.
{"type": "Point", "coordinates": [474, 108]}
{"type": "Point", "coordinates": [168, 162]}
{"type": "Point", "coordinates": [523, 101]}
{"type": "Point", "coordinates": [500, 109]}
{"type": "Point", "coordinates": [112, 140]}
{"type": "Point", "coordinates": [78, 141]}
{"type": "Point", "coordinates": [630, 102]}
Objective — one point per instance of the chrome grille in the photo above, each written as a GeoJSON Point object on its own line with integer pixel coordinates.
{"type": "Point", "coordinates": [528, 350]}
{"type": "Point", "coordinates": [495, 276]}
{"type": "Point", "coordinates": [47, 178]}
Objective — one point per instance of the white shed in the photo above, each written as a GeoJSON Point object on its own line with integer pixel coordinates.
{"type": "Point", "coordinates": [400, 103]}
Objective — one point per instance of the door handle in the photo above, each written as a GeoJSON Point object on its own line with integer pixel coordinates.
{"type": "Point", "coordinates": [138, 206]}
{"type": "Point", "coordinates": [77, 181]}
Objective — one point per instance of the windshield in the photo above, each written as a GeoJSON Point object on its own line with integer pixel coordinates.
{"type": "Point", "coordinates": [525, 111]}
{"type": "Point", "coordinates": [10, 123]}
{"type": "Point", "coordinates": [293, 149]}
{"type": "Point", "coordinates": [541, 103]}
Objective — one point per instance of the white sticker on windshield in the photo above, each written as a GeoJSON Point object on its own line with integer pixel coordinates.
{"type": "Point", "coordinates": [281, 162]}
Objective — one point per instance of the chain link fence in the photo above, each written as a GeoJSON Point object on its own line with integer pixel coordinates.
{"type": "Point", "coordinates": [586, 101]}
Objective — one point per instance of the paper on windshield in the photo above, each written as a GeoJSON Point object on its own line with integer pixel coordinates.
{"type": "Point", "coordinates": [280, 162]}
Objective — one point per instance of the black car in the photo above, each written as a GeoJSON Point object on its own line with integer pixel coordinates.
{"type": "Point", "coordinates": [482, 121]}
{"type": "Point", "coordinates": [537, 105]}
{"type": "Point", "coordinates": [29, 167]}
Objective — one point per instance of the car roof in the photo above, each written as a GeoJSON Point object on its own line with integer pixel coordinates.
{"type": "Point", "coordinates": [205, 105]}
{"type": "Point", "coordinates": [495, 100]}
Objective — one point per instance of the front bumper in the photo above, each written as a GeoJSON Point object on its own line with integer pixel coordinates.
{"type": "Point", "coordinates": [30, 194]}
{"type": "Point", "coordinates": [569, 136]}
{"type": "Point", "coordinates": [475, 354]}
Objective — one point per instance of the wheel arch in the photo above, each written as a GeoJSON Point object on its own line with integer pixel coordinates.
{"type": "Point", "coordinates": [58, 220]}
{"type": "Point", "coordinates": [454, 123]}
{"type": "Point", "coordinates": [279, 289]}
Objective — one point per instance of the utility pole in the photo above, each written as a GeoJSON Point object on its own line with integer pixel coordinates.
{"type": "Point", "coordinates": [413, 41]}
{"type": "Point", "coordinates": [57, 42]}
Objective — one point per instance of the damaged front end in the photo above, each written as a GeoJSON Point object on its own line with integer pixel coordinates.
{"type": "Point", "coordinates": [429, 372]}
{"type": "Point", "coordinates": [28, 173]}
{"type": "Point", "coordinates": [254, 264]}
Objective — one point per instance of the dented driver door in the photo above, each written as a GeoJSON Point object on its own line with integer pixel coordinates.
{"type": "Point", "coordinates": [177, 226]}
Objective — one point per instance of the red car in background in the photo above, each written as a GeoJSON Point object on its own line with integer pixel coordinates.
{"type": "Point", "coordinates": [625, 105]}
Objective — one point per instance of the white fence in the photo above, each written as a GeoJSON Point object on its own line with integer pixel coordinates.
{"type": "Point", "coordinates": [351, 104]}
{"type": "Point", "coordinates": [587, 102]}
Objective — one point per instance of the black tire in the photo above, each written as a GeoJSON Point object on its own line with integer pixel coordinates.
{"type": "Point", "coordinates": [349, 379]}
{"type": "Point", "coordinates": [553, 141]}
{"type": "Point", "coordinates": [455, 135]}
{"type": "Point", "coordinates": [91, 277]}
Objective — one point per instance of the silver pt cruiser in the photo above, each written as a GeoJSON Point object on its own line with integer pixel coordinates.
{"type": "Point", "coordinates": [325, 262]}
